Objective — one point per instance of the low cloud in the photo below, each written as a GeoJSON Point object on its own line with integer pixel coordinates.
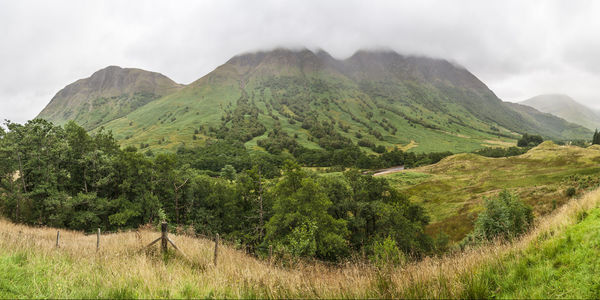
{"type": "Point", "coordinates": [518, 48]}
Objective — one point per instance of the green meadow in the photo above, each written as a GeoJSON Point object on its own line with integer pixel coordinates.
{"type": "Point", "coordinates": [453, 190]}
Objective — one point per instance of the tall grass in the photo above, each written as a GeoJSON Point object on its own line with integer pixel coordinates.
{"type": "Point", "coordinates": [31, 266]}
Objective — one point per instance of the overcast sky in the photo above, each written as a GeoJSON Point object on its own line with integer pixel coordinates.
{"type": "Point", "coordinates": [518, 48]}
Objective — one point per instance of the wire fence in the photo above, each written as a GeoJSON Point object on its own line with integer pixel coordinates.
{"type": "Point", "coordinates": [269, 253]}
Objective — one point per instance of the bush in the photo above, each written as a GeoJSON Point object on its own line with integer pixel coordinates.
{"type": "Point", "coordinates": [500, 152]}
{"type": "Point", "coordinates": [570, 192]}
{"type": "Point", "coordinates": [529, 140]}
{"type": "Point", "coordinates": [379, 149]}
{"type": "Point", "coordinates": [228, 172]}
{"type": "Point", "coordinates": [441, 243]}
{"type": "Point", "coordinates": [504, 217]}
{"type": "Point", "coordinates": [302, 241]}
{"type": "Point", "coordinates": [386, 253]}
{"type": "Point", "coordinates": [366, 143]}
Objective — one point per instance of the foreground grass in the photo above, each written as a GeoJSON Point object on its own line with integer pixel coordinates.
{"type": "Point", "coordinates": [31, 267]}
{"type": "Point", "coordinates": [553, 266]}
{"type": "Point", "coordinates": [556, 259]}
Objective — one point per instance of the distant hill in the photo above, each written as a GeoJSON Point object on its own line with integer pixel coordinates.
{"type": "Point", "coordinates": [566, 108]}
{"type": "Point", "coordinates": [550, 121]}
{"type": "Point", "coordinates": [266, 99]}
{"type": "Point", "coordinates": [108, 94]}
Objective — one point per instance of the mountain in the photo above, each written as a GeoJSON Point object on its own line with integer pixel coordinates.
{"type": "Point", "coordinates": [547, 120]}
{"type": "Point", "coordinates": [276, 99]}
{"type": "Point", "coordinates": [108, 94]}
{"type": "Point", "coordinates": [566, 108]}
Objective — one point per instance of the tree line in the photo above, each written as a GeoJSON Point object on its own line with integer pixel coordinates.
{"type": "Point", "coordinates": [65, 177]}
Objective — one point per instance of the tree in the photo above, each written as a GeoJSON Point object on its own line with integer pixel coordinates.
{"type": "Point", "coordinates": [300, 224]}
{"type": "Point", "coordinates": [170, 182]}
{"type": "Point", "coordinates": [596, 138]}
{"type": "Point", "coordinates": [375, 211]}
{"type": "Point", "coordinates": [252, 191]}
{"type": "Point", "coordinates": [131, 199]}
{"type": "Point", "coordinates": [228, 172]}
{"type": "Point", "coordinates": [39, 150]}
{"type": "Point", "coordinates": [8, 169]}
{"type": "Point", "coordinates": [80, 143]}
{"type": "Point", "coordinates": [528, 140]}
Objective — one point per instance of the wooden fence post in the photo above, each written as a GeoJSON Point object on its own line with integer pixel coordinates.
{"type": "Point", "coordinates": [270, 253]}
{"type": "Point", "coordinates": [216, 249]}
{"type": "Point", "coordinates": [98, 240]}
{"type": "Point", "coordinates": [164, 237]}
{"type": "Point", "coordinates": [164, 240]}
{"type": "Point", "coordinates": [57, 237]}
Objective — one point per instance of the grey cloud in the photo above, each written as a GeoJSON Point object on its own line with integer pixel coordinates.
{"type": "Point", "coordinates": [518, 48]}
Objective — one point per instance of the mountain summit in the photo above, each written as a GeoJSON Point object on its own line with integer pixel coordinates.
{"type": "Point", "coordinates": [108, 94]}
{"type": "Point", "coordinates": [373, 98]}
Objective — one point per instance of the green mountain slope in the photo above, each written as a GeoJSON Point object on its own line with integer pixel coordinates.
{"type": "Point", "coordinates": [566, 108]}
{"type": "Point", "coordinates": [374, 97]}
{"type": "Point", "coordinates": [108, 94]}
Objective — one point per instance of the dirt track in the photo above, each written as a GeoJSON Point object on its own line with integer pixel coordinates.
{"type": "Point", "coordinates": [388, 171]}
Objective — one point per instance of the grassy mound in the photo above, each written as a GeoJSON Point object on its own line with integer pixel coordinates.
{"type": "Point", "coordinates": [453, 189]}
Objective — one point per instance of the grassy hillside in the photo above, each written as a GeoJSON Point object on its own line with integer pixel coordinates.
{"type": "Point", "coordinates": [566, 108]}
{"type": "Point", "coordinates": [378, 97]}
{"type": "Point", "coordinates": [559, 265]}
{"type": "Point", "coordinates": [556, 259]}
{"type": "Point", "coordinates": [453, 190]}
{"type": "Point", "coordinates": [108, 94]}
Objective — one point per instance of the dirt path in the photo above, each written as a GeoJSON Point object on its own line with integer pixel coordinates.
{"type": "Point", "coordinates": [388, 171]}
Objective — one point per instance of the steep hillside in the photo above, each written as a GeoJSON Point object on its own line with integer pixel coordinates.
{"type": "Point", "coordinates": [377, 98]}
{"type": "Point", "coordinates": [566, 108]}
{"type": "Point", "coordinates": [108, 94]}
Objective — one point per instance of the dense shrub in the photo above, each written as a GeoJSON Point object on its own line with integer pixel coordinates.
{"type": "Point", "coordinates": [504, 217]}
{"type": "Point", "coordinates": [386, 253]}
{"type": "Point", "coordinates": [501, 152]}
{"type": "Point", "coordinates": [570, 192]}
{"type": "Point", "coordinates": [529, 140]}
